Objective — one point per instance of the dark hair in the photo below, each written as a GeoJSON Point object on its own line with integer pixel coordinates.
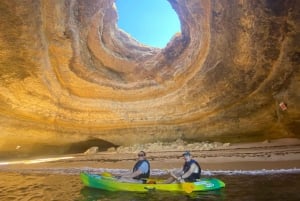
{"type": "Point", "coordinates": [144, 153]}
{"type": "Point", "coordinates": [186, 153]}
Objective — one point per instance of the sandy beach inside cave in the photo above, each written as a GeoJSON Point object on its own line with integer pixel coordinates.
{"type": "Point", "coordinates": [269, 155]}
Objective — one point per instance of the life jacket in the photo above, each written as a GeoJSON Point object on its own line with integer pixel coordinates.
{"type": "Point", "coordinates": [143, 175]}
{"type": "Point", "coordinates": [193, 176]}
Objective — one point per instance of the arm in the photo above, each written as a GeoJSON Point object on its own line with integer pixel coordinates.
{"type": "Point", "coordinates": [142, 169]}
{"type": "Point", "coordinates": [133, 174]}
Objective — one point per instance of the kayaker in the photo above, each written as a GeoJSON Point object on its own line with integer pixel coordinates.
{"type": "Point", "coordinates": [141, 169]}
{"type": "Point", "coordinates": [190, 172]}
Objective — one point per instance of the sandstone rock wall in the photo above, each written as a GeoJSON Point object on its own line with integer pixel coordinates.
{"type": "Point", "coordinates": [68, 75]}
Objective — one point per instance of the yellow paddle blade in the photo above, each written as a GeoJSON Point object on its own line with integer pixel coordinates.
{"type": "Point", "coordinates": [188, 187]}
{"type": "Point", "coordinates": [106, 174]}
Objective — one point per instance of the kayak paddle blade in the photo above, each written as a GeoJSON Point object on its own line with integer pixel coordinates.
{"type": "Point", "coordinates": [188, 187]}
{"type": "Point", "coordinates": [106, 174]}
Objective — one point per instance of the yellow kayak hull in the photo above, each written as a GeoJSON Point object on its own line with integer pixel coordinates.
{"type": "Point", "coordinates": [113, 184]}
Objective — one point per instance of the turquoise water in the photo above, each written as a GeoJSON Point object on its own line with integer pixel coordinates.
{"type": "Point", "coordinates": [64, 185]}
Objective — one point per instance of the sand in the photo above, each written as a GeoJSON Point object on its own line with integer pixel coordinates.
{"type": "Point", "coordinates": [268, 155]}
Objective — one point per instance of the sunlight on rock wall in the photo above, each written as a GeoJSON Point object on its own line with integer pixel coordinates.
{"type": "Point", "coordinates": [68, 75]}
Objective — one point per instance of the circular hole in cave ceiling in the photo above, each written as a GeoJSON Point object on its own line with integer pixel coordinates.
{"type": "Point", "coordinates": [150, 22]}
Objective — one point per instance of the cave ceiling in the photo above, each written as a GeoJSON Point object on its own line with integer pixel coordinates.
{"type": "Point", "coordinates": [68, 74]}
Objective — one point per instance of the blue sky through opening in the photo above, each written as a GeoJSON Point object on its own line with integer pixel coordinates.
{"type": "Point", "coordinates": [151, 22]}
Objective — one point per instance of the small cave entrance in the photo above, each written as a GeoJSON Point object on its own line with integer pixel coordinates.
{"type": "Point", "coordinates": [82, 146]}
{"type": "Point", "coordinates": [42, 150]}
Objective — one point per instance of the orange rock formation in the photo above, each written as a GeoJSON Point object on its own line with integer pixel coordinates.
{"type": "Point", "coordinates": [68, 75]}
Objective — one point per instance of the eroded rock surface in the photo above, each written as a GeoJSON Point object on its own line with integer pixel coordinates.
{"type": "Point", "coordinates": [68, 74]}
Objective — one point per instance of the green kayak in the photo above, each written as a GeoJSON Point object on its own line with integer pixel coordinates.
{"type": "Point", "coordinates": [111, 183]}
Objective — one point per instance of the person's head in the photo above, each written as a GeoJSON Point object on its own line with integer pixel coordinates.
{"type": "Point", "coordinates": [141, 155]}
{"type": "Point", "coordinates": [186, 155]}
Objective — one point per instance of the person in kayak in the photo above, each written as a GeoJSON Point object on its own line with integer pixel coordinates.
{"type": "Point", "coordinates": [141, 169]}
{"type": "Point", "coordinates": [190, 172]}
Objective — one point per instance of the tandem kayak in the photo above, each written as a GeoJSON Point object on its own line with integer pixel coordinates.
{"type": "Point", "coordinates": [111, 183]}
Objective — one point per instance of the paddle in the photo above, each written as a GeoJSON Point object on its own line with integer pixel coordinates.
{"type": "Point", "coordinates": [106, 174]}
{"type": "Point", "coordinates": [187, 187]}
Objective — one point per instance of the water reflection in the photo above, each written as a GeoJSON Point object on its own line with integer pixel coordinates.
{"type": "Point", "coordinates": [32, 161]}
{"type": "Point", "coordinates": [31, 186]}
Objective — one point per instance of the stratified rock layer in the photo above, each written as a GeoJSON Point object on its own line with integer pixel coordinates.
{"type": "Point", "coordinates": [69, 78]}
